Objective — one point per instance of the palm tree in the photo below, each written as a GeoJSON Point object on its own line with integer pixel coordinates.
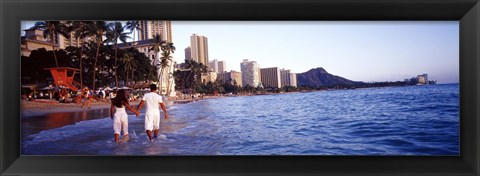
{"type": "Point", "coordinates": [133, 79]}
{"type": "Point", "coordinates": [157, 43]}
{"type": "Point", "coordinates": [52, 29]}
{"type": "Point", "coordinates": [165, 60]}
{"type": "Point", "coordinates": [99, 27]}
{"type": "Point", "coordinates": [129, 64]}
{"type": "Point", "coordinates": [188, 65]}
{"type": "Point", "coordinates": [196, 69]}
{"type": "Point", "coordinates": [164, 63]}
{"type": "Point", "coordinates": [168, 49]}
{"type": "Point", "coordinates": [170, 80]}
{"type": "Point", "coordinates": [115, 32]}
{"type": "Point", "coordinates": [82, 30]}
{"type": "Point", "coordinates": [133, 26]}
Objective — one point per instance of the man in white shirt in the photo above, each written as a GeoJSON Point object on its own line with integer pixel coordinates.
{"type": "Point", "coordinates": [152, 113]}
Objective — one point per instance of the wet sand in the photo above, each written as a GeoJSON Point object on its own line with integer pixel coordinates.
{"type": "Point", "coordinates": [46, 114]}
{"type": "Point", "coordinates": [45, 106]}
{"type": "Point", "coordinates": [37, 108]}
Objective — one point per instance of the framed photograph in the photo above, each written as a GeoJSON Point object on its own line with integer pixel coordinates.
{"type": "Point", "coordinates": [239, 87]}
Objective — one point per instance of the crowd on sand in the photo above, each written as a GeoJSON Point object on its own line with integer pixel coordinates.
{"type": "Point", "coordinates": [87, 97]}
{"type": "Point", "coordinates": [84, 96]}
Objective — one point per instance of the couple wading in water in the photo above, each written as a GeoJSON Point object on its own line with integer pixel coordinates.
{"type": "Point", "coordinates": [153, 103]}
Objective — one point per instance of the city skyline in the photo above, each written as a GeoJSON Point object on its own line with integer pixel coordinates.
{"type": "Point", "coordinates": [359, 51]}
{"type": "Point", "coordinates": [355, 50]}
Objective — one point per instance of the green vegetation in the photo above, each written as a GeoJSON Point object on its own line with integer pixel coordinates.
{"type": "Point", "coordinates": [103, 60]}
{"type": "Point", "coordinates": [115, 32]}
{"type": "Point", "coordinates": [51, 29]}
{"type": "Point", "coordinates": [188, 77]}
{"type": "Point", "coordinates": [99, 55]}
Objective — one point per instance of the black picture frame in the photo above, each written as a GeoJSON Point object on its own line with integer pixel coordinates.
{"type": "Point", "coordinates": [13, 11]}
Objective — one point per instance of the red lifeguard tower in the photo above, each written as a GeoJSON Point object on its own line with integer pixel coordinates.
{"type": "Point", "coordinates": [63, 76]}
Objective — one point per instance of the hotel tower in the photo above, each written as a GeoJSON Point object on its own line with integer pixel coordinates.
{"type": "Point", "coordinates": [148, 30]}
{"type": "Point", "coordinates": [199, 49]}
{"type": "Point", "coordinates": [250, 75]}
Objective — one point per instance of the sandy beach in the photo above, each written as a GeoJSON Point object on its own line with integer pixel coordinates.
{"type": "Point", "coordinates": [43, 106]}
{"type": "Point", "coordinates": [46, 106]}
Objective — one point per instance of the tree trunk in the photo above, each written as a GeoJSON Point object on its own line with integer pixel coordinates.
{"type": "Point", "coordinates": [133, 80]}
{"type": "Point", "coordinates": [53, 49]}
{"type": "Point", "coordinates": [160, 80]}
{"type": "Point", "coordinates": [168, 80]}
{"type": "Point", "coordinates": [116, 77]}
{"type": "Point", "coordinates": [81, 64]}
{"type": "Point", "coordinates": [55, 56]}
{"type": "Point", "coordinates": [169, 84]}
{"type": "Point", "coordinates": [150, 69]}
{"type": "Point", "coordinates": [95, 65]}
{"type": "Point", "coordinates": [126, 77]}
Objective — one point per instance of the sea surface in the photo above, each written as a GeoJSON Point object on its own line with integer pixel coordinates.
{"type": "Point", "coordinates": [413, 120]}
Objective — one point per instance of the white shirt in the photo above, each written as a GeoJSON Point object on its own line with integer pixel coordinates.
{"type": "Point", "coordinates": [152, 103]}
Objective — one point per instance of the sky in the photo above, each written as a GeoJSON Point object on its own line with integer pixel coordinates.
{"type": "Point", "coordinates": [357, 50]}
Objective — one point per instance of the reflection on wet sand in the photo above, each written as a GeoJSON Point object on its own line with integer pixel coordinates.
{"type": "Point", "coordinates": [35, 124]}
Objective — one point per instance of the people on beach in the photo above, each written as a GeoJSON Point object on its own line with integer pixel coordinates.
{"type": "Point", "coordinates": [85, 98]}
{"type": "Point", "coordinates": [120, 117]}
{"type": "Point", "coordinates": [152, 113]}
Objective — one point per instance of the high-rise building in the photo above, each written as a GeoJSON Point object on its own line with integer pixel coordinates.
{"type": "Point", "coordinates": [188, 53]}
{"type": "Point", "coordinates": [33, 40]}
{"type": "Point", "coordinates": [284, 77]}
{"type": "Point", "coordinates": [271, 77]}
{"type": "Point", "coordinates": [259, 74]}
{"type": "Point", "coordinates": [233, 76]}
{"type": "Point", "coordinates": [64, 42]}
{"type": "Point", "coordinates": [222, 67]}
{"type": "Point", "coordinates": [250, 74]}
{"type": "Point", "coordinates": [213, 66]}
{"type": "Point", "coordinates": [72, 40]}
{"type": "Point", "coordinates": [199, 48]}
{"type": "Point", "coordinates": [209, 77]}
{"type": "Point", "coordinates": [236, 78]}
{"type": "Point", "coordinates": [293, 79]}
{"type": "Point", "coordinates": [148, 30]}
{"type": "Point", "coordinates": [216, 66]}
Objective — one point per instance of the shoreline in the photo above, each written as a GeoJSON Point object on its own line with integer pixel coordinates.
{"type": "Point", "coordinates": [39, 108]}
{"type": "Point", "coordinates": [45, 106]}
{"type": "Point", "coordinates": [42, 107]}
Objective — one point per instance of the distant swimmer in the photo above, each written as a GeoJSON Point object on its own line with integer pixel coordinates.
{"type": "Point", "coordinates": [152, 114]}
{"type": "Point", "coordinates": [120, 118]}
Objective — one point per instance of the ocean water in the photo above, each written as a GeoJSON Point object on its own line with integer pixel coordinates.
{"type": "Point", "coordinates": [413, 120]}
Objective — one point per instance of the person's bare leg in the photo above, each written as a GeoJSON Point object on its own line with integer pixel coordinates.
{"type": "Point", "coordinates": [116, 137]}
{"type": "Point", "coordinates": [155, 133]}
{"type": "Point", "coordinates": [125, 137]}
{"type": "Point", "coordinates": [149, 133]}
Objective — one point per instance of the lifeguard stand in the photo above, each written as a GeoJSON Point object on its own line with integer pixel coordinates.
{"type": "Point", "coordinates": [63, 76]}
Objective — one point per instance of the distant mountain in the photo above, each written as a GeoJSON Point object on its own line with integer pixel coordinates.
{"type": "Point", "coordinates": [320, 77]}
